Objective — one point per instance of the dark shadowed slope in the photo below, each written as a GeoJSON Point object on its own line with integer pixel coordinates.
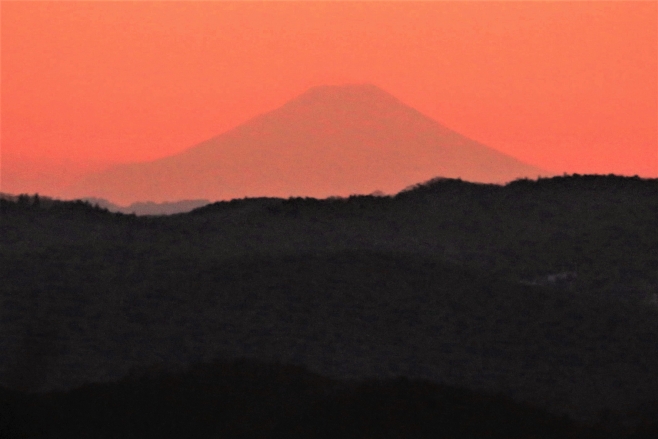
{"type": "Point", "coordinates": [331, 140]}
{"type": "Point", "coordinates": [447, 282]}
{"type": "Point", "coordinates": [256, 400]}
{"type": "Point", "coordinates": [345, 315]}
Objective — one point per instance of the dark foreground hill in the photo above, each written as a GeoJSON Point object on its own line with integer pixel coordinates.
{"type": "Point", "coordinates": [538, 290]}
{"type": "Point", "coordinates": [247, 399]}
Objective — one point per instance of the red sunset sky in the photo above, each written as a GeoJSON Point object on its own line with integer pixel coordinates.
{"type": "Point", "coordinates": [566, 86]}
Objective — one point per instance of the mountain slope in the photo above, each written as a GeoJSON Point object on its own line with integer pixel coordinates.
{"type": "Point", "coordinates": [442, 282]}
{"type": "Point", "coordinates": [345, 315]}
{"type": "Point", "coordinates": [331, 140]}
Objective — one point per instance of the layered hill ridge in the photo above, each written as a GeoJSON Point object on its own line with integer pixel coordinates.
{"type": "Point", "coordinates": [331, 140]}
{"type": "Point", "coordinates": [452, 282]}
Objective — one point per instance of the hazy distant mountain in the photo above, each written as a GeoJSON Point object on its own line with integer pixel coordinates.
{"type": "Point", "coordinates": [138, 208]}
{"type": "Point", "coordinates": [331, 140]}
{"type": "Point", "coordinates": [149, 207]}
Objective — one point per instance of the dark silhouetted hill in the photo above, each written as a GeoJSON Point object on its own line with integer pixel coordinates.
{"type": "Point", "coordinates": [248, 399]}
{"type": "Point", "coordinates": [450, 282]}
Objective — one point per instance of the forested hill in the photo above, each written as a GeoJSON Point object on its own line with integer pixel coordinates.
{"type": "Point", "coordinates": [600, 233]}
{"type": "Point", "coordinates": [543, 291]}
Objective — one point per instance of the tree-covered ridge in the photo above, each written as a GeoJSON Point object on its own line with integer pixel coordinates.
{"type": "Point", "coordinates": [602, 228]}
{"type": "Point", "coordinates": [445, 282]}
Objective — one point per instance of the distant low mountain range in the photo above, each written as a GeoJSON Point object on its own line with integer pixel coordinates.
{"type": "Point", "coordinates": [138, 208]}
{"type": "Point", "coordinates": [149, 207]}
{"type": "Point", "coordinates": [331, 140]}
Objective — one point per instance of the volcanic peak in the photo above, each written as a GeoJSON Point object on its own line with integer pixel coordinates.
{"type": "Point", "coordinates": [330, 140]}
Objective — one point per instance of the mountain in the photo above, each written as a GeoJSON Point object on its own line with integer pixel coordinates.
{"type": "Point", "coordinates": [149, 208]}
{"type": "Point", "coordinates": [139, 208]}
{"type": "Point", "coordinates": [540, 290]}
{"type": "Point", "coordinates": [330, 141]}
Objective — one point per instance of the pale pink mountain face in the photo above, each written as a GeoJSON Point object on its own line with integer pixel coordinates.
{"type": "Point", "coordinates": [330, 141]}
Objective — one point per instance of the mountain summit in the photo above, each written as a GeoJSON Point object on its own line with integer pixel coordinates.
{"type": "Point", "coordinates": [331, 140]}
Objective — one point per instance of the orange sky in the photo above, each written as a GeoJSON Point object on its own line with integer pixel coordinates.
{"type": "Point", "coordinates": [567, 86]}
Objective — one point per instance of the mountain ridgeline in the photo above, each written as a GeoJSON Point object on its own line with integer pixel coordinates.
{"type": "Point", "coordinates": [449, 297]}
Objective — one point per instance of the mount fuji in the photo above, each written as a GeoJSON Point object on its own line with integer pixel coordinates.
{"type": "Point", "coordinates": [329, 141]}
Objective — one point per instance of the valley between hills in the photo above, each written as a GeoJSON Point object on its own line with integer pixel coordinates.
{"type": "Point", "coordinates": [471, 310]}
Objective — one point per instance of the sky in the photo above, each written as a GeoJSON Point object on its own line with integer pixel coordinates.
{"type": "Point", "coordinates": [571, 87]}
